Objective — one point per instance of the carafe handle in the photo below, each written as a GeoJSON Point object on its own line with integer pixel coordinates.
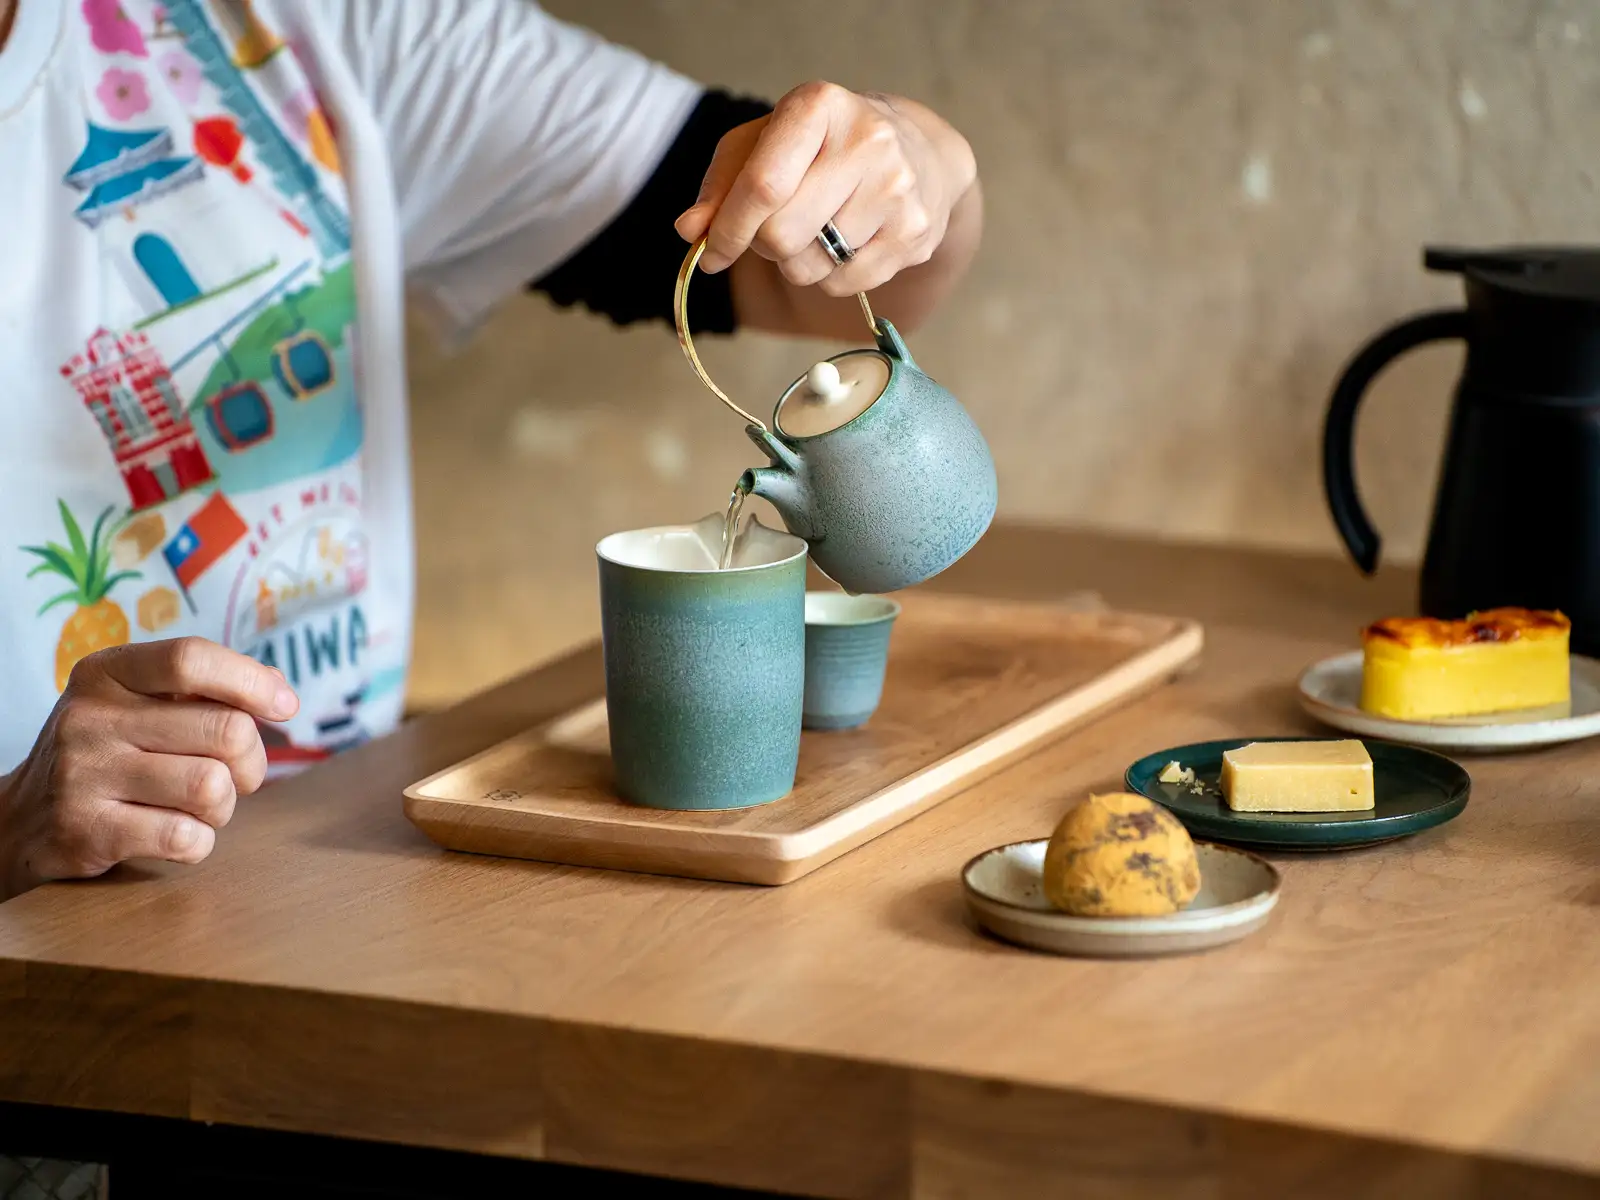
{"type": "Point", "coordinates": [1338, 432]}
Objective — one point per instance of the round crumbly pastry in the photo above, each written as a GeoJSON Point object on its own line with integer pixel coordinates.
{"type": "Point", "coordinates": [1120, 855]}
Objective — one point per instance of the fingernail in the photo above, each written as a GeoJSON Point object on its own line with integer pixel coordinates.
{"type": "Point", "coordinates": [185, 837]}
{"type": "Point", "coordinates": [285, 704]}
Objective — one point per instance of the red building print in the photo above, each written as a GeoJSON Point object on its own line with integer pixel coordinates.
{"type": "Point", "coordinates": [126, 385]}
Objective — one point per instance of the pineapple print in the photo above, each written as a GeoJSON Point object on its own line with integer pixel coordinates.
{"type": "Point", "coordinates": [99, 621]}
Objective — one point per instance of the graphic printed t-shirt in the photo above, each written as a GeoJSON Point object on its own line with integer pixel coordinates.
{"type": "Point", "coordinates": [211, 211]}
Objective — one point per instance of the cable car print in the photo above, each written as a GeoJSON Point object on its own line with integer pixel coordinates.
{"type": "Point", "coordinates": [302, 363]}
{"type": "Point", "coordinates": [240, 416]}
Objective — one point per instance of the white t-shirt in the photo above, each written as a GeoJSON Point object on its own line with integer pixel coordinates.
{"type": "Point", "coordinates": [210, 211]}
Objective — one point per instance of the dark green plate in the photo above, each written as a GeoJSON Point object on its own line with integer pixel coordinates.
{"type": "Point", "coordinates": [1416, 790]}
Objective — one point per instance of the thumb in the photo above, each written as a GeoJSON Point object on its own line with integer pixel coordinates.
{"type": "Point", "coordinates": [731, 154]}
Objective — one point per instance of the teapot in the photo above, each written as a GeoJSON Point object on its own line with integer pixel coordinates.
{"type": "Point", "coordinates": [1516, 517]}
{"type": "Point", "coordinates": [877, 467]}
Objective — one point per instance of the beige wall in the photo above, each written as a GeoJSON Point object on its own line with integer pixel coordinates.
{"type": "Point", "coordinates": [1197, 210]}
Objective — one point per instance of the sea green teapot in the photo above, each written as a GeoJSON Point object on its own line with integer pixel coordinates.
{"type": "Point", "coordinates": [876, 466]}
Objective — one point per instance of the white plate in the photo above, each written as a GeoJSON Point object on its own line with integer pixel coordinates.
{"type": "Point", "coordinates": [1006, 895]}
{"type": "Point", "coordinates": [1331, 692]}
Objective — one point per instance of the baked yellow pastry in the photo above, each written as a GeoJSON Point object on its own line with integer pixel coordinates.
{"type": "Point", "coordinates": [1298, 777]}
{"type": "Point", "coordinates": [1120, 856]}
{"type": "Point", "coordinates": [1418, 668]}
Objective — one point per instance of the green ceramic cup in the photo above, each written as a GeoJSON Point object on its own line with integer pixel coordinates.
{"type": "Point", "coordinates": [847, 651]}
{"type": "Point", "coordinates": [705, 669]}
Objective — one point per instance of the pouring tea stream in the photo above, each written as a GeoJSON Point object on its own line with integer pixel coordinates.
{"type": "Point", "coordinates": [877, 467]}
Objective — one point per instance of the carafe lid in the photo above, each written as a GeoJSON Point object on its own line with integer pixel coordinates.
{"type": "Point", "coordinates": [1547, 272]}
{"type": "Point", "coordinates": [1533, 318]}
{"type": "Point", "coordinates": [832, 393]}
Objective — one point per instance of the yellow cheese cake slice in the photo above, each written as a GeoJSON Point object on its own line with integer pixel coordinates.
{"type": "Point", "coordinates": [1502, 660]}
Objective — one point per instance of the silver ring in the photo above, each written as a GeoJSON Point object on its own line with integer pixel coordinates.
{"type": "Point", "coordinates": [833, 242]}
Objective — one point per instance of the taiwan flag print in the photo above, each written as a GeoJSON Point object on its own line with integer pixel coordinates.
{"type": "Point", "coordinates": [214, 529]}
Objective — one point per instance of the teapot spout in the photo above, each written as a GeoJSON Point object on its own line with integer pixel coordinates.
{"type": "Point", "coordinates": [786, 493]}
{"type": "Point", "coordinates": [773, 447]}
{"type": "Point", "coordinates": [782, 484]}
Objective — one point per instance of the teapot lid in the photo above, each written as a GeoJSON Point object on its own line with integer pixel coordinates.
{"type": "Point", "coordinates": [1570, 273]}
{"type": "Point", "coordinates": [832, 393]}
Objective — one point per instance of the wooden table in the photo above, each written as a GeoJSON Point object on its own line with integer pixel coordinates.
{"type": "Point", "coordinates": [1419, 1019]}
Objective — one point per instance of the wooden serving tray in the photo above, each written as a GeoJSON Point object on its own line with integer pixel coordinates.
{"type": "Point", "coordinates": [972, 684]}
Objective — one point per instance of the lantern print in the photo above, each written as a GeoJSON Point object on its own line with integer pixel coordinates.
{"type": "Point", "coordinates": [218, 141]}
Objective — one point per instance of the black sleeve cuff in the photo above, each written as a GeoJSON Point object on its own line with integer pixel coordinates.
{"type": "Point", "coordinates": [627, 271]}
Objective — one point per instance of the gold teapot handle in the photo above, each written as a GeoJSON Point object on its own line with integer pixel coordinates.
{"type": "Point", "coordinates": [680, 316]}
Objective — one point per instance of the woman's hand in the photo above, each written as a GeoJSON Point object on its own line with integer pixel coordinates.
{"type": "Point", "coordinates": [886, 171]}
{"type": "Point", "coordinates": [143, 757]}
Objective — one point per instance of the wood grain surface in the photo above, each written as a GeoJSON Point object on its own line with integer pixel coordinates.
{"type": "Point", "coordinates": [972, 684]}
{"type": "Point", "coordinates": [1419, 1019]}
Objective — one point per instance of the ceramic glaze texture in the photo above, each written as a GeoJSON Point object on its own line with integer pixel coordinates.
{"type": "Point", "coordinates": [847, 651]}
{"type": "Point", "coordinates": [705, 672]}
{"type": "Point", "coordinates": [893, 497]}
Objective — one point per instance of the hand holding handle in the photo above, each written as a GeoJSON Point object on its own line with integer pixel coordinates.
{"type": "Point", "coordinates": [680, 316]}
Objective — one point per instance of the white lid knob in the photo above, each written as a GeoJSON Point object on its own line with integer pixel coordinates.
{"type": "Point", "coordinates": [833, 393]}
{"type": "Point", "coordinates": [823, 380]}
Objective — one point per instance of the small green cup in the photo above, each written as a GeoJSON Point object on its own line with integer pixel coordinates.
{"type": "Point", "coordinates": [705, 669]}
{"type": "Point", "coordinates": [847, 653]}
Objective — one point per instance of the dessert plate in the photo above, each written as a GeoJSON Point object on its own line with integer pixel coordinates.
{"type": "Point", "coordinates": [1416, 790]}
{"type": "Point", "coordinates": [1005, 893]}
{"type": "Point", "coordinates": [1331, 692]}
